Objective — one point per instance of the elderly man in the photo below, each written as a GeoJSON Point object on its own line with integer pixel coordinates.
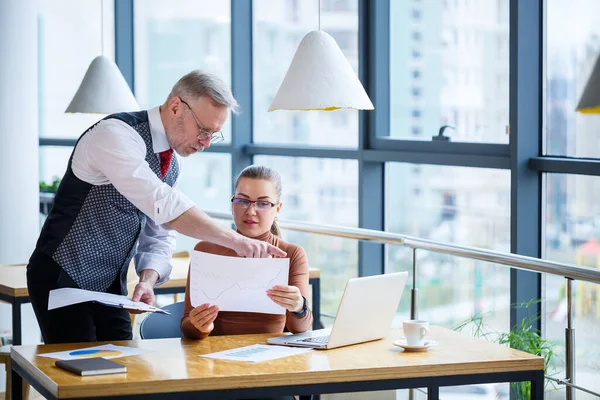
{"type": "Point", "coordinates": [117, 201]}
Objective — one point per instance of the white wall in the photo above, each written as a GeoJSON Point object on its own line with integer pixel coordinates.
{"type": "Point", "coordinates": [19, 209]}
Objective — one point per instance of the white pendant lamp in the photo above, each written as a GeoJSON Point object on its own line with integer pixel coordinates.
{"type": "Point", "coordinates": [589, 103]}
{"type": "Point", "coordinates": [103, 89]}
{"type": "Point", "coordinates": [320, 78]}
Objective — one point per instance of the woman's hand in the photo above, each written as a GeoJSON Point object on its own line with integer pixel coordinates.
{"type": "Point", "coordinates": [288, 297]}
{"type": "Point", "coordinates": [203, 316]}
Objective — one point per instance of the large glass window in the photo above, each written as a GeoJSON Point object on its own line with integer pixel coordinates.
{"type": "Point", "coordinates": [205, 178]}
{"type": "Point", "coordinates": [53, 162]}
{"type": "Point", "coordinates": [175, 38]}
{"type": "Point", "coordinates": [466, 206]}
{"type": "Point", "coordinates": [572, 235]}
{"type": "Point", "coordinates": [279, 26]}
{"type": "Point", "coordinates": [572, 47]}
{"type": "Point", "coordinates": [52, 165]}
{"type": "Point", "coordinates": [69, 38]}
{"type": "Point", "coordinates": [322, 191]}
{"type": "Point", "coordinates": [449, 65]}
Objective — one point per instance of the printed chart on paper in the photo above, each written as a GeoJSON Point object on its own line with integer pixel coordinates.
{"type": "Point", "coordinates": [235, 283]}
{"type": "Point", "coordinates": [256, 353]}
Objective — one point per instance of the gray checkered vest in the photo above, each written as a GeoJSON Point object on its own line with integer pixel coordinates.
{"type": "Point", "coordinates": [92, 230]}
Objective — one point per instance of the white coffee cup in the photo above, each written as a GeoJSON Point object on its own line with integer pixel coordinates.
{"type": "Point", "coordinates": [415, 332]}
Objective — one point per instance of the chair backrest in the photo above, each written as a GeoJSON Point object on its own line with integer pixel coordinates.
{"type": "Point", "coordinates": [161, 326]}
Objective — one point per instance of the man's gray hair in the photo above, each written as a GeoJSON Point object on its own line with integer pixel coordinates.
{"type": "Point", "coordinates": [199, 83]}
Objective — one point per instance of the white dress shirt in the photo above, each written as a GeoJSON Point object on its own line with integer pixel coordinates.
{"type": "Point", "coordinates": [112, 152]}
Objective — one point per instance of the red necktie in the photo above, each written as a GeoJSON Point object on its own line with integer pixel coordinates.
{"type": "Point", "coordinates": [165, 161]}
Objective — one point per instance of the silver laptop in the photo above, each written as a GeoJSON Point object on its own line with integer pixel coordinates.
{"type": "Point", "coordinates": [365, 313]}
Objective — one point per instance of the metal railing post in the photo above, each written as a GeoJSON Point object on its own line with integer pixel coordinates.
{"type": "Point", "coordinates": [570, 343]}
{"type": "Point", "coordinates": [414, 311]}
{"type": "Point", "coordinates": [414, 308]}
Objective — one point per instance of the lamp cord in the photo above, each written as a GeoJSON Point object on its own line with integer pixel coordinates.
{"type": "Point", "coordinates": [319, 14]}
{"type": "Point", "coordinates": [101, 28]}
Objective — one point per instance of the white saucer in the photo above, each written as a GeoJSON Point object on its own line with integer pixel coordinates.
{"type": "Point", "coordinates": [402, 343]}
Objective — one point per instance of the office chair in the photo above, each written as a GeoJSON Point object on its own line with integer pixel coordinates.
{"type": "Point", "coordinates": [162, 326]}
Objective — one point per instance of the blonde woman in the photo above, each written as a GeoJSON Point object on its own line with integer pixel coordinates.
{"type": "Point", "coordinates": [255, 206]}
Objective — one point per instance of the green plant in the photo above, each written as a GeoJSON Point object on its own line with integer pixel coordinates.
{"type": "Point", "coordinates": [50, 188]}
{"type": "Point", "coordinates": [522, 337]}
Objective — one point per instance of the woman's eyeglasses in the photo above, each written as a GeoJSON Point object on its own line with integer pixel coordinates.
{"type": "Point", "coordinates": [259, 205]}
{"type": "Point", "coordinates": [215, 137]}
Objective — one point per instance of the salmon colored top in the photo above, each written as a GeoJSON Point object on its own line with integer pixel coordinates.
{"type": "Point", "coordinates": [236, 323]}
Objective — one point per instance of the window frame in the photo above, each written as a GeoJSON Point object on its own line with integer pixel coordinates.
{"type": "Point", "coordinates": [523, 154]}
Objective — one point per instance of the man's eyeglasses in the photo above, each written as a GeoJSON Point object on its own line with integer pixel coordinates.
{"type": "Point", "coordinates": [259, 205]}
{"type": "Point", "coordinates": [215, 137]}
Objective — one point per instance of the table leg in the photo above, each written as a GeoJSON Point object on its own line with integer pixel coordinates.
{"type": "Point", "coordinates": [16, 323]}
{"type": "Point", "coordinates": [16, 385]}
{"type": "Point", "coordinates": [316, 306]}
{"type": "Point", "coordinates": [433, 393]}
{"type": "Point", "coordinates": [537, 386]}
{"type": "Point", "coordinates": [7, 364]}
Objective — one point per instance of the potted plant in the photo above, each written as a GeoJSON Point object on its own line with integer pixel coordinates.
{"type": "Point", "coordinates": [50, 188]}
{"type": "Point", "coordinates": [47, 192]}
{"type": "Point", "coordinates": [522, 337]}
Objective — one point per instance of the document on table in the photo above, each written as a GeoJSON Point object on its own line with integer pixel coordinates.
{"type": "Point", "coordinates": [256, 353]}
{"type": "Point", "coordinates": [104, 351]}
{"type": "Point", "coordinates": [67, 296]}
{"type": "Point", "coordinates": [236, 283]}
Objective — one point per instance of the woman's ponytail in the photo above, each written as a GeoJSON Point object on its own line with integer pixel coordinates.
{"type": "Point", "coordinates": [275, 228]}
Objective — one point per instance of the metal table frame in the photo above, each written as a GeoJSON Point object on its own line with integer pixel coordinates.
{"type": "Point", "coordinates": [433, 384]}
{"type": "Point", "coordinates": [16, 302]}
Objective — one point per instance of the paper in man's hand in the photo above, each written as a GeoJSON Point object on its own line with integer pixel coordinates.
{"type": "Point", "coordinates": [67, 296]}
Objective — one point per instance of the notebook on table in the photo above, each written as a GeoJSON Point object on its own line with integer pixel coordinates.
{"type": "Point", "coordinates": [91, 366]}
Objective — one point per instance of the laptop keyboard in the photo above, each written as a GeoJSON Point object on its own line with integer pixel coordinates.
{"type": "Point", "coordinates": [316, 339]}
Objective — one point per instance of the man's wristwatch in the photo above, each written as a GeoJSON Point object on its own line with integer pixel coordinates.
{"type": "Point", "coordinates": [304, 310]}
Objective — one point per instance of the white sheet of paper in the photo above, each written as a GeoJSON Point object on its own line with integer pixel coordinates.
{"type": "Point", "coordinates": [67, 296]}
{"type": "Point", "coordinates": [256, 353]}
{"type": "Point", "coordinates": [105, 351]}
{"type": "Point", "coordinates": [236, 283]}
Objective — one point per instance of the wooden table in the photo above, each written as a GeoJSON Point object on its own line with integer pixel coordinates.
{"type": "Point", "coordinates": [13, 289]}
{"type": "Point", "coordinates": [174, 369]}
